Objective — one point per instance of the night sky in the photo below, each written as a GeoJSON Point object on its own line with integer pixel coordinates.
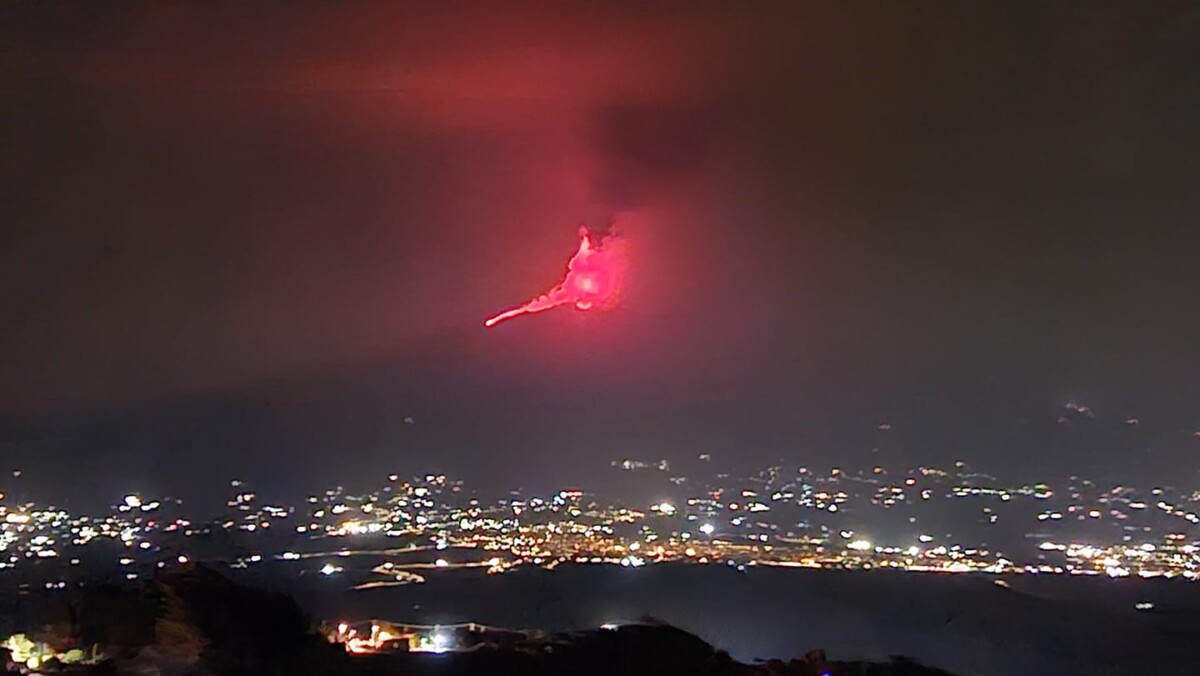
{"type": "Point", "coordinates": [252, 241]}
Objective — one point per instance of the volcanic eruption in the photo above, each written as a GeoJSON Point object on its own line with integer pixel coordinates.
{"type": "Point", "coordinates": [593, 279]}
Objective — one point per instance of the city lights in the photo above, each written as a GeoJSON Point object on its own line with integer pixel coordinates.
{"type": "Point", "coordinates": [435, 525]}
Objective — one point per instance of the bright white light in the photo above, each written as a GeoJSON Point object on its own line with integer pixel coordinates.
{"type": "Point", "coordinates": [182, 559]}
{"type": "Point", "coordinates": [609, 626]}
{"type": "Point", "coordinates": [707, 529]}
{"type": "Point", "coordinates": [441, 563]}
{"type": "Point", "coordinates": [329, 569]}
{"type": "Point", "coordinates": [860, 545]}
{"type": "Point", "coordinates": [133, 501]}
{"type": "Point", "coordinates": [441, 642]}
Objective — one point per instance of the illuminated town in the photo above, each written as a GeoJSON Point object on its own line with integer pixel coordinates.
{"type": "Point", "coordinates": [923, 520]}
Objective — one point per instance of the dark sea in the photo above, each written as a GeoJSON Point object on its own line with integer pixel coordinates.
{"type": "Point", "coordinates": [967, 624]}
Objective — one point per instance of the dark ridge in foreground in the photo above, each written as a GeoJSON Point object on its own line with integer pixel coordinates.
{"type": "Point", "coordinates": [635, 650]}
{"type": "Point", "coordinates": [198, 622]}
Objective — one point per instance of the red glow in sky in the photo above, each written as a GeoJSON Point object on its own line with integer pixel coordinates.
{"type": "Point", "coordinates": [593, 280]}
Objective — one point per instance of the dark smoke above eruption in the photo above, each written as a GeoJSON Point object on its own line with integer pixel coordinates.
{"type": "Point", "coordinates": [593, 279]}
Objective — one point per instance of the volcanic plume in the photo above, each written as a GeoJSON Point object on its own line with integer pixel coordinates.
{"type": "Point", "coordinates": [593, 279]}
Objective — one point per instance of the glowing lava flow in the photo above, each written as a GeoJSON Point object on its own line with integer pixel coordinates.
{"type": "Point", "coordinates": [593, 278]}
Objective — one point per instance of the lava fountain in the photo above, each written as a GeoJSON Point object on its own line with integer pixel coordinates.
{"type": "Point", "coordinates": [593, 279]}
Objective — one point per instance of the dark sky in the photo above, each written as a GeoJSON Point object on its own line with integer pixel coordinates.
{"type": "Point", "coordinates": [252, 240]}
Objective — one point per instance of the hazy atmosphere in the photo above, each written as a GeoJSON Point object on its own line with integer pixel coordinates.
{"type": "Point", "coordinates": [260, 242]}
